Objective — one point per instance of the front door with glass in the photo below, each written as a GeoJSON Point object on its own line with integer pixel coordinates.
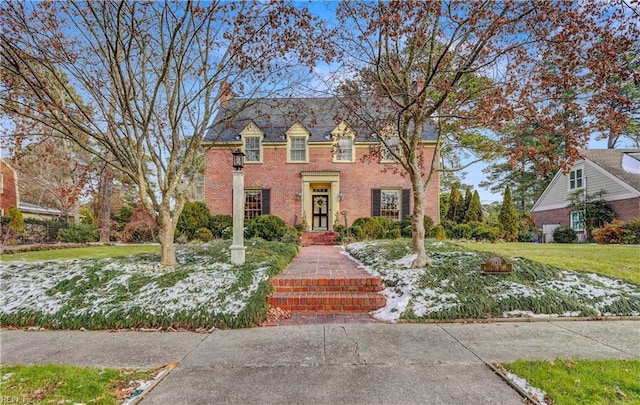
{"type": "Point", "coordinates": [321, 212]}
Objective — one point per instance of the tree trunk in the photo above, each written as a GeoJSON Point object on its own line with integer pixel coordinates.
{"type": "Point", "coordinates": [417, 222]}
{"type": "Point", "coordinates": [166, 232]}
{"type": "Point", "coordinates": [105, 194]}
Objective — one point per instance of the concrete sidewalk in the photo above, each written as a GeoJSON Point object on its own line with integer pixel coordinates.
{"type": "Point", "coordinates": [332, 364]}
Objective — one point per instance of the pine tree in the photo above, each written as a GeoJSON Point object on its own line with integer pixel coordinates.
{"type": "Point", "coordinates": [467, 203]}
{"type": "Point", "coordinates": [474, 212]}
{"type": "Point", "coordinates": [508, 217]}
{"type": "Point", "coordinates": [456, 205]}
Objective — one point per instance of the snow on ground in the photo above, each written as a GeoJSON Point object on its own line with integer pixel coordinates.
{"type": "Point", "coordinates": [407, 292]}
{"type": "Point", "coordinates": [47, 287]}
{"type": "Point", "coordinates": [535, 393]}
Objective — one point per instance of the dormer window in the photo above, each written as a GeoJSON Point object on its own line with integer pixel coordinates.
{"type": "Point", "coordinates": [297, 144]}
{"type": "Point", "coordinates": [343, 143]}
{"type": "Point", "coordinates": [390, 148]}
{"type": "Point", "coordinates": [252, 137]}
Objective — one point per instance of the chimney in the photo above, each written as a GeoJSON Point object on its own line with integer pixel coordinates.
{"type": "Point", "coordinates": [227, 94]}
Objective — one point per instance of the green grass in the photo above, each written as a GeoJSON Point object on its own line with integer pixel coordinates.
{"type": "Point", "coordinates": [91, 252]}
{"type": "Point", "coordinates": [202, 291]}
{"type": "Point", "coordinates": [618, 261]}
{"type": "Point", "coordinates": [583, 381]}
{"type": "Point", "coordinates": [454, 288]}
{"type": "Point", "coordinates": [47, 384]}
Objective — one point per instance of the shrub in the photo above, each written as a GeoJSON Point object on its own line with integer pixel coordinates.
{"type": "Point", "coordinates": [269, 227]}
{"type": "Point", "coordinates": [87, 216]}
{"type": "Point", "coordinates": [16, 220]}
{"type": "Point", "coordinates": [440, 233]}
{"type": "Point", "coordinates": [609, 233]}
{"type": "Point", "coordinates": [460, 231]}
{"type": "Point", "coordinates": [79, 233]}
{"type": "Point", "coordinates": [374, 227]}
{"type": "Point", "coordinates": [219, 225]}
{"type": "Point", "coordinates": [631, 232]}
{"type": "Point", "coordinates": [483, 232]}
{"type": "Point", "coordinates": [139, 232]}
{"type": "Point", "coordinates": [292, 235]}
{"type": "Point", "coordinates": [203, 234]}
{"type": "Point", "coordinates": [194, 215]}
{"type": "Point", "coordinates": [564, 234]}
{"type": "Point", "coordinates": [405, 226]}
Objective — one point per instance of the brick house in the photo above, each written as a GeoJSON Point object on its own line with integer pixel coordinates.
{"type": "Point", "coordinates": [307, 165]}
{"type": "Point", "coordinates": [616, 172]}
{"type": "Point", "coordinates": [8, 187]}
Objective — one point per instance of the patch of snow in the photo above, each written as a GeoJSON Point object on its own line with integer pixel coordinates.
{"type": "Point", "coordinates": [406, 261]}
{"type": "Point", "coordinates": [535, 393]}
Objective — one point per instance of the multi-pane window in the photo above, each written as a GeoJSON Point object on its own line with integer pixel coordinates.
{"type": "Point", "coordinates": [577, 220]}
{"type": "Point", "coordinates": [252, 203]}
{"type": "Point", "coordinates": [252, 149]}
{"type": "Point", "coordinates": [390, 204]}
{"type": "Point", "coordinates": [298, 149]}
{"type": "Point", "coordinates": [390, 149]}
{"type": "Point", "coordinates": [576, 179]}
{"type": "Point", "coordinates": [344, 148]}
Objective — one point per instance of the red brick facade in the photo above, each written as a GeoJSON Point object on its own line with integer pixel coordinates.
{"type": "Point", "coordinates": [288, 195]}
{"type": "Point", "coordinates": [625, 210]}
{"type": "Point", "coordinates": [8, 188]}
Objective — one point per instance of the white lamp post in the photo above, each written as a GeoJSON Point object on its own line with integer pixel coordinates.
{"type": "Point", "coordinates": [237, 247]}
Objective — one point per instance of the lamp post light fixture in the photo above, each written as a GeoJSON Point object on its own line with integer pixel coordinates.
{"type": "Point", "coordinates": [238, 159]}
{"type": "Point", "coordinates": [237, 247]}
{"type": "Point", "coordinates": [340, 196]}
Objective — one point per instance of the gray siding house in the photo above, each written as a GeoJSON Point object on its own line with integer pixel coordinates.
{"type": "Point", "coordinates": [616, 172]}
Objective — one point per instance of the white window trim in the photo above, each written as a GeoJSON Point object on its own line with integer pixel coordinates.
{"type": "Point", "coordinates": [571, 222]}
{"type": "Point", "coordinates": [389, 133]}
{"type": "Point", "coordinates": [398, 192]}
{"type": "Point", "coordinates": [252, 131]}
{"type": "Point", "coordinates": [252, 190]}
{"type": "Point", "coordinates": [574, 170]}
{"type": "Point", "coordinates": [343, 131]}
{"type": "Point", "coordinates": [297, 130]}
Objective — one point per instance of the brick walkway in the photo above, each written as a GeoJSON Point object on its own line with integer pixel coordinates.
{"type": "Point", "coordinates": [322, 285]}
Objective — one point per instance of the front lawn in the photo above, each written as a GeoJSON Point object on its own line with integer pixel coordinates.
{"type": "Point", "coordinates": [63, 384]}
{"type": "Point", "coordinates": [579, 381]}
{"type": "Point", "coordinates": [89, 252]}
{"type": "Point", "coordinates": [619, 261]}
{"type": "Point", "coordinates": [202, 291]}
{"type": "Point", "coordinates": [454, 288]}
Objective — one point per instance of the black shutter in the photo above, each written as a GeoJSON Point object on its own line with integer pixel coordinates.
{"type": "Point", "coordinates": [266, 201]}
{"type": "Point", "coordinates": [375, 202]}
{"type": "Point", "coordinates": [406, 203]}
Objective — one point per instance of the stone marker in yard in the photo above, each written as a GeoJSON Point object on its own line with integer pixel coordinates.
{"type": "Point", "coordinates": [496, 265]}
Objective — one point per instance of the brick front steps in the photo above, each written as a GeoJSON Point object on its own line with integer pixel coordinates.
{"type": "Point", "coordinates": [322, 279]}
{"type": "Point", "coordinates": [318, 238]}
{"type": "Point", "coordinates": [328, 301]}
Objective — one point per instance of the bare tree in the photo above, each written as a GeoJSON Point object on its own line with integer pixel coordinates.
{"type": "Point", "coordinates": [475, 64]}
{"type": "Point", "coordinates": [149, 77]}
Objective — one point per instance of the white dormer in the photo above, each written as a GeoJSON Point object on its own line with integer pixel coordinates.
{"type": "Point", "coordinates": [343, 143]}
{"type": "Point", "coordinates": [252, 137]}
{"type": "Point", "coordinates": [297, 144]}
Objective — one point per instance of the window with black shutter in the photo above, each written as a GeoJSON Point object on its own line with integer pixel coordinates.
{"type": "Point", "coordinates": [375, 202]}
{"type": "Point", "coordinates": [266, 201]}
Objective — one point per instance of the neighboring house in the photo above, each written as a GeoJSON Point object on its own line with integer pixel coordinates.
{"type": "Point", "coordinates": [615, 172]}
{"type": "Point", "coordinates": [34, 211]}
{"type": "Point", "coordinates": [9, 196]}
{"type": "Point", "coordinates": [306, 165]}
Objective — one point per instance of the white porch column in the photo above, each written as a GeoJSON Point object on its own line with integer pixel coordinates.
{"type": "Point", "coordinates": [237, 247]}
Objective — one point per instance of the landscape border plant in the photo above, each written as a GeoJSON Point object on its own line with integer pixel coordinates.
{"type": "Point", "coordinates": [454, 288]}
{"type": "Point", "coordinates": [202, 291]}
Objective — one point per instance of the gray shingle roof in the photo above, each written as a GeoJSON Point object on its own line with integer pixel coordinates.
{"type": "Point", "coordinates": [275, 116]}
{"type": "Point", "coordinates": [611, 161]}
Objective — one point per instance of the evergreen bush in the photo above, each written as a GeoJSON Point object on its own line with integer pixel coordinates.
{"type": "Point", "coordinates": [508, 217]}
{"type": "Point", "coordinates": [79, 233]}
{"type": "Point", "coordinates": [631, 232]}
{"type": "Point", "coordinates": [564, 234]}
{"type": "Point", "coordinates": [440, 233]}
{"type": "Point", "coordinates": [269, 227]}
{"type": "Point", "coordinates": [221, 226]}
{"type": "Point", "coordinates": [194, 215]}
{"type": "Point", "coordinates": [203, 234]}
